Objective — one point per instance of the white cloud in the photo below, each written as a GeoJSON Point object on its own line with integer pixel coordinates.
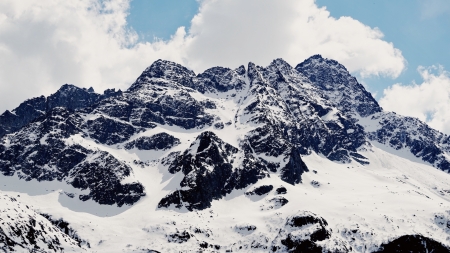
{"type": "Point", "coordinates": [428, 101]}
{"type": "Point", "coordinates": [46, 43]}
{"type": "Point", "coordinates": [233, 32]}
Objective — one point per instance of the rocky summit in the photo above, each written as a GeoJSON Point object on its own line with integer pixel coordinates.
{"type": "Point", "coordinates": [251, 159]}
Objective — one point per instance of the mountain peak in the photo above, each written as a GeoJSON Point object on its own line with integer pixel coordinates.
{"type": "Point", "coordinates": [251, 146]}
{"type": "Point", "coordinates": [206, 139]}
{"type": "Point", "coordinates": [168, 70]}
{"type": "Point", "coordinates": [333, 78]}
{"type": "Point", "coordinates": [72, 97]}
{"type": "Point", "coordinates": [280, 62]}
{"type": "Point", "coordinates": [318, 62]}
{"type": "Point", "coordinates": [164, 65]}
{"type": "Point", "coordinates": [254, 74]}
{"type": "Point", "coordinates": [316, 56]}
{"type": "Point", "coordinates": [67, 86]}
{"type": "Point", "coordinates": [319, 57]}
{"type": "Point", "coordinates": [217, 79]}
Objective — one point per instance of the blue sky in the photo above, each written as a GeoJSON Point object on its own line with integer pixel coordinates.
{"type": "Point", "coordinates": [160, 18]}
{"type": "Point", "coordinates": [421, 33]}
{"type": "Point", "coordinates": [421, 36]}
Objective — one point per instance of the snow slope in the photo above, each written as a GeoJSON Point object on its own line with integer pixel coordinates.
{"type": "Point", "coordinates": [206, 149]}
{"type": "Point", "coordinates": [363, 205]}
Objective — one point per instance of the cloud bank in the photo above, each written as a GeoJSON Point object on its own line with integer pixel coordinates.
{"type": "Point", "coordinates": [232, 32]}
{"type": "Point", "coordinates": [429, 101]}
{"type": "Point", "coordinates": [46, 43]}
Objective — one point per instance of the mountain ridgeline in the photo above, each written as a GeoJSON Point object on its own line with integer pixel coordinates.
{"type": "Point", "coordinates": [268, 119]}
{"type": "Point", "coordinates": [315, 107]}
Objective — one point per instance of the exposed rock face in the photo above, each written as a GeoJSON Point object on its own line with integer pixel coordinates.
{"type": "Point", "coordinates": [102, 175]}
{"type": "Point", "coordinates": [179, 237]}
{"type": "Point", "coordinates": [314, 107]}
{"type": "Point", "coordinates": [302, 233]}
{"type": "Point", "coordinates": [22, 115]}
{"type": "Point", "coordinates": [66, 228]}
{"type": "Point", "coordinates": [292, 172]}
{"type": "Point", "coordinates": [207, 168]}
{"type": "Point", "coordinates": [160, 141]}
{"type": "Point", "coordinates": [68, 96]}
{"type": "Point", "coordinates": [413, 244]}
{"type": "Point", "coordinates": [281, 190]}
{"type": "Point", "coordinates": [160, 95]}
{"type": "Point", "coordinates": [263, 189]}
{"type": "Point", "coordinates": [411, 134]}
{"type": "Point", "coordinates": [24, 230]}
{"type": "Point", "coordinates": [277, 202]}
{"type": "Point", "coordinates": [293, 112]}
{"type": "Point", "coordinates": [168, 71]}
{"type": "Point", "coordinates": [72, 98]}
{"type": "Point", "coordinates": [41, 151]}
{"type": "Point", "coordinates": [339, 87]}
{"type": "Point", "coordinates": [213, 135]}
{"type": "Point", "coordinates": [110, 131]}
{"type": "Point", "coordinates": [220, 79]}
{"type": "Point", "coordinates": [211, 172]}
{"type": "Point", "coordinates": [343, 91]}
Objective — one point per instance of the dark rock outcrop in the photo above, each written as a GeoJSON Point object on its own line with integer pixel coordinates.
{"type": "Point", "coordinates": [281, 190]}
{"type": "Point", "coordinates": [409, 133]}
{"type": "Point", "coordinates": [315, 107]}
{"type": "Point", "coordinates": [110, 131]}
{"type": "Point", "coordinates": [207, 168]}
{"type": "Point", "coordinates": [166, 70]}
{"type": "Point", "coordinates": [331, 76]}
{"type": "Point", "coordinates": [292, 172]}
{"type": "Point", "coordinates": [290, 240]}
{"type": "Point", "coordinates": [278, 201]}
{"type": "Point", "coordinates": [413, 244]}
{"type": "Point", "coordinates": [72, 98]}
{"type": "Point", "coordinates": [39, 151]}
{"type": "Point", "coordinates": [263, 189]}
{"type": "Point", "coordinates": [24, 230]}
{"type": "Point", "coordinates": [22, 115]}
{"type": "Point", "coordinates": [210, 173]}
{"type": "Point", "coordinates": [303, 116]}
{"type": "Point", "coordinates": [68, 96]}
{"type": "Point", "coordinates": [220, 79]}
{"type": "Point", "coordinates": [179, 237]}
{"type": "Point", "coordinates": [160, 141]}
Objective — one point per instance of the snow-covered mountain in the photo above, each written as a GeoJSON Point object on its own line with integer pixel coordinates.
{"type": "Point", "coordinates": [252, 159]}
